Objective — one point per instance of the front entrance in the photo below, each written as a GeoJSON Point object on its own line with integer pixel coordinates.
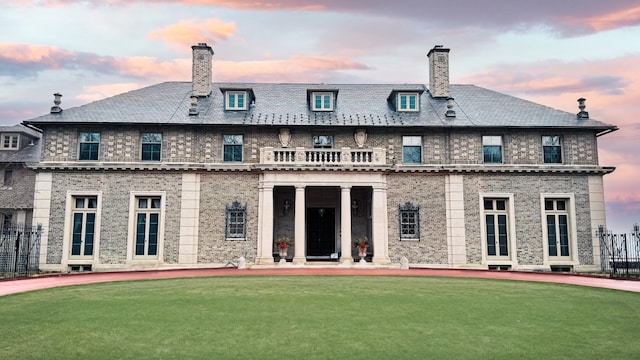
{"type": "Point", "coordinates": [321, 235]}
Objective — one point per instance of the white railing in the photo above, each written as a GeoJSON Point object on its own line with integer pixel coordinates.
{"type": "Point", "coordinates": [306, 156]}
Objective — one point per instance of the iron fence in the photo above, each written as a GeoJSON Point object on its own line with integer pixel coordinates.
{"type": "Point", "coordinates": [620, 253]}
{"type": "Point", "coordinates": [19, 251]}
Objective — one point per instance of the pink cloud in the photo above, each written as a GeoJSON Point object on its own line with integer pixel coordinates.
{"type": "Point", "coordinates": [97, 92]}
{"type": "Point", "coordinates": [607, 21]}
{"type": "Point", "coordinates": [184, 33]}
{"type": "Point", "coordinates": [298, 68]}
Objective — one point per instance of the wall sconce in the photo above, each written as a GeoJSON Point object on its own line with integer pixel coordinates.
{"type": "Point", "coordinates": [286, 205]}
{"type": "Point", "coordinates": [355, 206]}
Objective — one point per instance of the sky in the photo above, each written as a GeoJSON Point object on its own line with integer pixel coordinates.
{"type": "Point", "coordinates": [548, 51]}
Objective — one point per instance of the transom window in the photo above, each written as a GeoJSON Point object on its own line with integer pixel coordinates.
{"type": "Point", "coordinates": [492, 149]}
{"type": "Point", "coordinates": [408, 102]}
{"type": "Point", "coordinates": [552, 149]}
{"type": "Point", "coordinates": [497, 229]}
{"type": "Point", "coordinates": [409, 221]}
{"type": "Point", "coordinates": [236, 221]}
{"type": "Point", "coordinates": [147, 224]}
{"type": "Point", "coordinates": [151, 146]}
{"type": "Point", "coordinates": [323, 141]}
{"type": "Point", "coordinates": [89, 145]}
{"type": "Point", "coordinates": [236, 100]}
{"type": "Point", "coordinates": [412, 149]}
{"type": "Point", "coordinates": [557, 218]}
{"type": "Point", "coordinates": [83, 228]}
{"type": "Point", "coordinates": [322, 101]}
{"type": "Point", "coordinates": [10, 141]}
{"type": "Point", "coordinates": [232, 148]}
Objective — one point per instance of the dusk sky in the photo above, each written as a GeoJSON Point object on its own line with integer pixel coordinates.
{"type": "Point", "coordinates": [548, 51]}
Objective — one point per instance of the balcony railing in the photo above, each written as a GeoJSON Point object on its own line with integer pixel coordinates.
{"type": "Point", "coordinates": [337, 157]}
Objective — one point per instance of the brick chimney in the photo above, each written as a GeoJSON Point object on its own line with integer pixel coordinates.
{"type": "Point", "coordinates": [439, 72]}
{"type": "Point", "coordinates": [201, 70]}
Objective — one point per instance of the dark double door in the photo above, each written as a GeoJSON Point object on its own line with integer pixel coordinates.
{"type": "Point", "coordinates": [321, 233]}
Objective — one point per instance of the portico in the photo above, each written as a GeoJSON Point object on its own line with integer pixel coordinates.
{"type": "Point", "coordinates": [322, 212]}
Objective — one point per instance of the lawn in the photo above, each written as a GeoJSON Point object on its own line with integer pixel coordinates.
{"type": "Point", "coordinates": [321, 317]}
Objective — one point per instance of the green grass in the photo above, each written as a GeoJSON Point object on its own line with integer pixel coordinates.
{"type": "Point", "coordinates": [321, 317]}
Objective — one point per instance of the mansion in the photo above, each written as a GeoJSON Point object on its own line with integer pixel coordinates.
{"type": "Point", "coordinates": [202, 173]}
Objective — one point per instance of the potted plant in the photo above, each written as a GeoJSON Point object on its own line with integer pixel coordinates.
{"type": "Point", "coordinates": [362, 243]}
{"type": "Point", "coordinates": [283, 244]}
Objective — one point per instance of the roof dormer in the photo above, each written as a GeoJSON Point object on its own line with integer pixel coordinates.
{"type": "Point", "coordinates": [322, 100]}
{"type": "Point", "coordinates": [237, 98]}
{"type": "Point", "coordinates": [405, 100]}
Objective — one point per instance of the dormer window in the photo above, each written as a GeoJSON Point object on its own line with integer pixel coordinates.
{"type": "Point", "coordinates": [238, 98]}
{"type": "Point", "coordinates": [322, 99]}
{"type": "Point", "coordinates": [10, 141]}
{"type": "Point", "coordinates": [405, 100]}
{"type": "Point", "coordinates": [408, 102]}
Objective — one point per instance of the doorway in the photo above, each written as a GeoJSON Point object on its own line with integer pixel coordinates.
{"type": "Point", "coordinates": [321, 234]}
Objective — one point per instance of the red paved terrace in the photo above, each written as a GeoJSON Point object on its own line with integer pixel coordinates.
{"type": "Point", "coordinates": [50, 281]}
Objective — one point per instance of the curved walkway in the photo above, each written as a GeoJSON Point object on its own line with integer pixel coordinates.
{"type": "Point", "coordinates": [50, 281]}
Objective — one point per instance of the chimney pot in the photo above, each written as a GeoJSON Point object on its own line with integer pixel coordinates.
{"type": "Point", "coordinates": [581, 105]}
{"type": "Point", "coordinates": [56, 109]}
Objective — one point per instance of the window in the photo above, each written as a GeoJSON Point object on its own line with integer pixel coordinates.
{"type": "Point", "coordinates": [496, 228]}
{"type": "Point", "coordinates": [10, 141]}
{"type": "Point", "coordinates": [236, 100]}
{"type": "Point", "coordinates": [83, 227]}
{"type": "Point", "coordinates": [232, 145]}
{"type": "Point", "coordinates": [89, 146]}
{"type": "Point", "coordinates": [236, 222]}
{"type": "Point", "coordinates": [557, 223]}
{"type": "Point", "coordinates": [322, 101]}
{"type": "Point", "coordinates": [492, 149]}
{"type": "Point", "coordinates": [151, 146]}
{"type": "Point", "coordinates": [409, 218]}
{"type": "Point", "coordinates": [412, 149]}
{"type": "Point", "coordinates": [551, 149]}
{"type": "Point", "coordinates": [407, 102]}
{"type": "Point", "coordinates": [323, 142]}
{"type": "Point", "coordinates": [147, 223]}
{"type": "Point", "coordinates": [8, 177]}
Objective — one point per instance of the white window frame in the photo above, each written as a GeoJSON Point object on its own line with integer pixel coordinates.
{"type": "Point", "coordinates": [493, 140]}
{"type": "Point", "coordinates": [323, 98]}
{"type": "Point", "coordinates": [406, 107]}
{"type": "Point", "coordinates": [235, 94]}
{"type": "Point", "coordinates": [512, 258]}
{"type": "Point", "coordinates": [412, 141]}
{"type": "Point", "coordinates": [544, 146]}
{"type": "Point", "coordinates": [14, 141]}
{"type": "Point", "coordinates": [131, 233]}
{"type": "Point", "coordinates": [235, 207]}
{"type": "Point", "coordinates": [67, 237]}
{"type": "Point", "coordinates": [572, 259]}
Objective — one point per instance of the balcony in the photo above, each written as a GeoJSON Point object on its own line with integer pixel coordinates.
{"type": "Point", "coordinates": [331, 157]}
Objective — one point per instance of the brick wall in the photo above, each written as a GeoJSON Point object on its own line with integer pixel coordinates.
{"type": "Point", "coordinates": [116, 188]}
{"type": "Point", "coordinates": [204, 145]}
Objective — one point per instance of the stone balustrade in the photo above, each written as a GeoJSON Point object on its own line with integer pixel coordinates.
{"type": "Point", "coordinates": [311, 156]}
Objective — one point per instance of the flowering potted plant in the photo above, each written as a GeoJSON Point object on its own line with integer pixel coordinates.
{"type": "Point", "coordinates": [362, 243]}
{"type": "Point", "coordinates": [283, 243]}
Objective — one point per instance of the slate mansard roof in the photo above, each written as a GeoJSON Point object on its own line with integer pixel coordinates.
{"type": "Point", "coordinates": [287, 105]}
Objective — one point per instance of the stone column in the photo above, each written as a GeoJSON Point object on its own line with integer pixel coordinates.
{"type": "Point", "coordinates": [265, 242]}
{"type": "Point", "coordinates": [300, 209]}
{"type": "Point", "coordinates": [345, 215]}
{"type": "Point", "coordinates": [379, 226]}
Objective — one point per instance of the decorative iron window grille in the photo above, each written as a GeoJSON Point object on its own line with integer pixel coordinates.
{"type": "Point", "coordinates": [409, 221]}
{"type": "Point", "coordinates": [236, 221]}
